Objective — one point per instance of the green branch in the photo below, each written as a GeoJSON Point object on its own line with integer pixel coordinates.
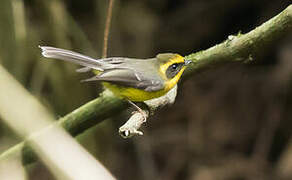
{"type": "Point", "coordinates": [239, 48]}
{"type": "Point", "coordinates": [243, 47]}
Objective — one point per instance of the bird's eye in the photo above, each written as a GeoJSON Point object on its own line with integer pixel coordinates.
{"type": "Point", "coordinates": [174, 66]}
{"type": "Point", "coordinates": [173, 69]}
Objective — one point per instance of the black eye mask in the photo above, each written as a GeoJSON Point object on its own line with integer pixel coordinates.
{"type": "Point", "coordinates": [173, 69]}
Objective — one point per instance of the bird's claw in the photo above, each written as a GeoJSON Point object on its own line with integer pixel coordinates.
{"type": "Point", "coordinates": [127, 133]}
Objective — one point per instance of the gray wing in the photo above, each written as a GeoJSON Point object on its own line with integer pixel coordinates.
{"type": "Point", "coordinates": [129, 78]}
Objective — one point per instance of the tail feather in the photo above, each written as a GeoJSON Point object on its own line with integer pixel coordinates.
{"type": "Point", "coordinates": [83, 69]}
{"type": "Point", "coordinates": [66, 55]}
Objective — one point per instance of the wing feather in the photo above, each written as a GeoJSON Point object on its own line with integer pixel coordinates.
{"type": "Point", "coordinates": [128, 78]}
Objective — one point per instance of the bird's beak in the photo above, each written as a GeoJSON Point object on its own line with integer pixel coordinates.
{"type": "Point", "coordinates": [187, 62]}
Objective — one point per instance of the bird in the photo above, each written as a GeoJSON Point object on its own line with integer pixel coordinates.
{"type": "Point", "coordinates": [133, 79]}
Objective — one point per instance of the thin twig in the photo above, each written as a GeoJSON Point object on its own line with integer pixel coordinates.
{"type": "Point", "coordinates": [107, 28]}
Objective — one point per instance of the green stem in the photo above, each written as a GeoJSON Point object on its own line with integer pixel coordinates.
{"type": "Point", "coordinates": [78, 121]}
{"type": "Point", "coordinates": [243, 47]}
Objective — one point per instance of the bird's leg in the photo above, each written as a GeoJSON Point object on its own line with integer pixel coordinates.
{"type": "Point", "coordinates": [144, 114]}
{"type": "Point", "coordinates": [130, 128]}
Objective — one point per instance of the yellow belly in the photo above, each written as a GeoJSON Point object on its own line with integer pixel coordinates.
{"type": "Point", "coordinates": [133, 94]}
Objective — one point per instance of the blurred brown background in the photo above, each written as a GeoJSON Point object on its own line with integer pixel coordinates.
{"type": "Point", "coordinates": [231, 122]}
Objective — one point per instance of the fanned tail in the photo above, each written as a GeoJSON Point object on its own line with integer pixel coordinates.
{"type": "Point", "coordinates": [77, 58]}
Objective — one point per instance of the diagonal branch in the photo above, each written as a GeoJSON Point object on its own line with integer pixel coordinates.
{"type": "Point", "coordinates": [241, 48]}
